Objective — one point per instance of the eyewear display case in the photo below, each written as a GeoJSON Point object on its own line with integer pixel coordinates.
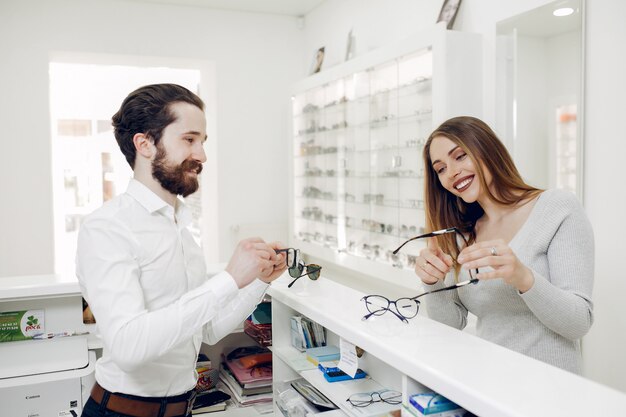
{"type": "Point", "coordinates": [358, 133]}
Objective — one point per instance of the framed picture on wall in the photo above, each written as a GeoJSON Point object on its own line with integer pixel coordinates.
{"type": "Point", "coordinates": [448, 12]}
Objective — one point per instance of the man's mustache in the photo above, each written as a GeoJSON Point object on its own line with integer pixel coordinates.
{"type": "Point", "coordinates": [191, 165]}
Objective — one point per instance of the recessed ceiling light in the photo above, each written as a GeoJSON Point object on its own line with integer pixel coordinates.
{"type": "Point", "coordinates": [563, 11]}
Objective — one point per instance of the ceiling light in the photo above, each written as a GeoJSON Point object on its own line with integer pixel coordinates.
{"type": "Point", "coordinates": [563, 11]}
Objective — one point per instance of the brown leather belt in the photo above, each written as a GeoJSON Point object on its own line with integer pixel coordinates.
{"type": "Point", "coordinates": [141, 408]}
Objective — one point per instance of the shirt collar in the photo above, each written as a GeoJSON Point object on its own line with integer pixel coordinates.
{"type": "Point", "coordinates": [153, 203]}
{"type": "Point", "coordinates": [145, 196]}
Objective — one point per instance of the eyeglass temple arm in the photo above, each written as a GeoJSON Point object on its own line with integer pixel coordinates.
{"type": "Point", "coordinates": [294, 281]}
{"type": "Point", "coordinates": [431, 234]}
{"type": "Point", "coordinates": [451, 287]}
{"type": "Point", "coordinates": [368, 315]}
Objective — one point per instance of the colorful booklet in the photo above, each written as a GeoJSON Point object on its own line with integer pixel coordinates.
{"type": "Point", "coordinates": [322, 354]}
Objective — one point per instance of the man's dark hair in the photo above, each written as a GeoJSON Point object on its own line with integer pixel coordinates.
{"type": "Point", "coordinates": [147, 110]}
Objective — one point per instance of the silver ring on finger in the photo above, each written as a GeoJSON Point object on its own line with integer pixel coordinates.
{"type": "Point", "coordinates": [494, 251]}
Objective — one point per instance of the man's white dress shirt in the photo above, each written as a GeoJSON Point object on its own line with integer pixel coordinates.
{"type": "Point", "coordinates": [145, 280]}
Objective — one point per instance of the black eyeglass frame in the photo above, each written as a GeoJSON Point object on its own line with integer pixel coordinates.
{"type": "Point", "coordinates": [391, 400]}
{"type": "Point", "coordinates": [298, 265]}
{"type": "Point", "coordinates": [397, 313]}
{"type": "Point", "coordinates": [456, 230]}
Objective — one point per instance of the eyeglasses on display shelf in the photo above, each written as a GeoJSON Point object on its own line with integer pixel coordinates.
{"type": "Point", "coordinates": [364, 399]}
{"type": "Point", "coordinates": [406, 308]}
{"type": "Point", "coordinates": [295, 266]}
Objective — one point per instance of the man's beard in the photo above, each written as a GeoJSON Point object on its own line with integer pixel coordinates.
{"type": "Point", "coordinates": [175, 178]}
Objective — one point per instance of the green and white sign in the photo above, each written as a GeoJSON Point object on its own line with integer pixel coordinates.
{"type": "Point", "coordinates": [21, 325]}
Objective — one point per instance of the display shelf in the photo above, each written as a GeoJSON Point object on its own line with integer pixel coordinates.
{"type": "Point", "coordinates": [236, 338]}
{"type": "Point", "coordinates": [425, 354]}
{"type": "Point", "coordinates": [294, 364]}
{"type": "Point", "coordinates": [359, 129]}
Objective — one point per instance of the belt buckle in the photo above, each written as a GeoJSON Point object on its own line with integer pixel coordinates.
{"type": "Point", "coordinates": [190, 402]}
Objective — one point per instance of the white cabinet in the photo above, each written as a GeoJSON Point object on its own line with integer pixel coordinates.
{"type": "Point", "coordinates": [482, 377]}
{"type": "Point", "coordinates": [52, 377]}
{"type": "Point", "coordinates": [358, 134]}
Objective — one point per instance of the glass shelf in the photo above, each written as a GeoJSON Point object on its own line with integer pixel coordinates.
{"type": "Point", "coordinates": [358, 134]}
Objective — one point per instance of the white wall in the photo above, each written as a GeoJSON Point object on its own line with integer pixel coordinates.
{"type": "Point", "coordinates": [605, 146]}
{"type": "Point", "coordinates": [530, 146]}
{"type": "Point", "coordinates": [256, 58]}
{"type": "Point", "coordinates": [377, 22]}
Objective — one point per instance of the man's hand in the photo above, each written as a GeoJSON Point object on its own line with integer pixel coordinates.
{"type": "Point", "coordinates": [253, 258]}
{"type": "Point", "coordinates": [280, 265]}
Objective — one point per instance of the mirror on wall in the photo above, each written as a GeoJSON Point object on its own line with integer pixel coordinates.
{"type": "Point", "coordinates": [539, 92]}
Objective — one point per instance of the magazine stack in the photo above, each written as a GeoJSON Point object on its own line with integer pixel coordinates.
{"type": "Point", "coordinates": [247, 373]}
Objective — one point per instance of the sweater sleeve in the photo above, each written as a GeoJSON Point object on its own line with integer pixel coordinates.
{"type": "Point", "coordinates": [562, 301]}
{"type": "Point", "coordinates": [445, 306]}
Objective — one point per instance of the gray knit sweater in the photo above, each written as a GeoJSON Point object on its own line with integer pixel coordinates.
{"type": "Point", "coordinates": [548, 321]}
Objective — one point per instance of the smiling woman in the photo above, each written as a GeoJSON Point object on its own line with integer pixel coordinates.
{"type": "Point", "coordinates": [456, 153]}
{"type": "Point", "coordinates": [534, 289]}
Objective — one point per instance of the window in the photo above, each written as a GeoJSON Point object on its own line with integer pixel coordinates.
{"type": "Point", "coordinates": [88, 167]}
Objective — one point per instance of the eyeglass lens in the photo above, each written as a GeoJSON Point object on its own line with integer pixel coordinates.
{"type": "Point", "coordinates": [295, 265]}
{"type": "Point", "coordinates": [313, 271]}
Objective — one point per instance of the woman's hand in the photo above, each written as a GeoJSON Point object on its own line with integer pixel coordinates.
{"type": "Point", "coordinates": [498, 255]}
{"type": "Point", "coordinates": [432, 264]}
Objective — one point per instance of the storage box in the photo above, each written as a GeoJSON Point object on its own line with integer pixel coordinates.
{"type": "Point", "coordinates": [427, 403]}
{"type": "Point", "coordinates": [261, 333]}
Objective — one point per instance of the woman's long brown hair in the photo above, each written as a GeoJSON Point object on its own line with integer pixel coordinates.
{"type": "Point", "coordinates": [480, 143]}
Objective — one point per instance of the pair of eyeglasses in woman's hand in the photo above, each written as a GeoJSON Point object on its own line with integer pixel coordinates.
{"type": "Point", "coordinates": [406, 308]}
{"type": "Point", "coordinates": [296, 266]}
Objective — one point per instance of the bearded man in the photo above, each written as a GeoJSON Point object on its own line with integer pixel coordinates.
{"type": "Point", "coordinates": [143, 274]}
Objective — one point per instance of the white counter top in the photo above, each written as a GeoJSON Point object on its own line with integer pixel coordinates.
{"type": "Point", "coordinates": [34, 286]}
{"type": "Point", "coordinates": [480, 376]}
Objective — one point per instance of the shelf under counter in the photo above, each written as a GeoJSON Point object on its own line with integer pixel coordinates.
{"type": "Point", "coordinates": [338, 392]}
{"type": "Point", "coordinates": [482, 377]}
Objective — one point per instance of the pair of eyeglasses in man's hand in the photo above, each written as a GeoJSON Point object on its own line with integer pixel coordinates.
{"type": "Point", "coordinates": [296, 266]}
